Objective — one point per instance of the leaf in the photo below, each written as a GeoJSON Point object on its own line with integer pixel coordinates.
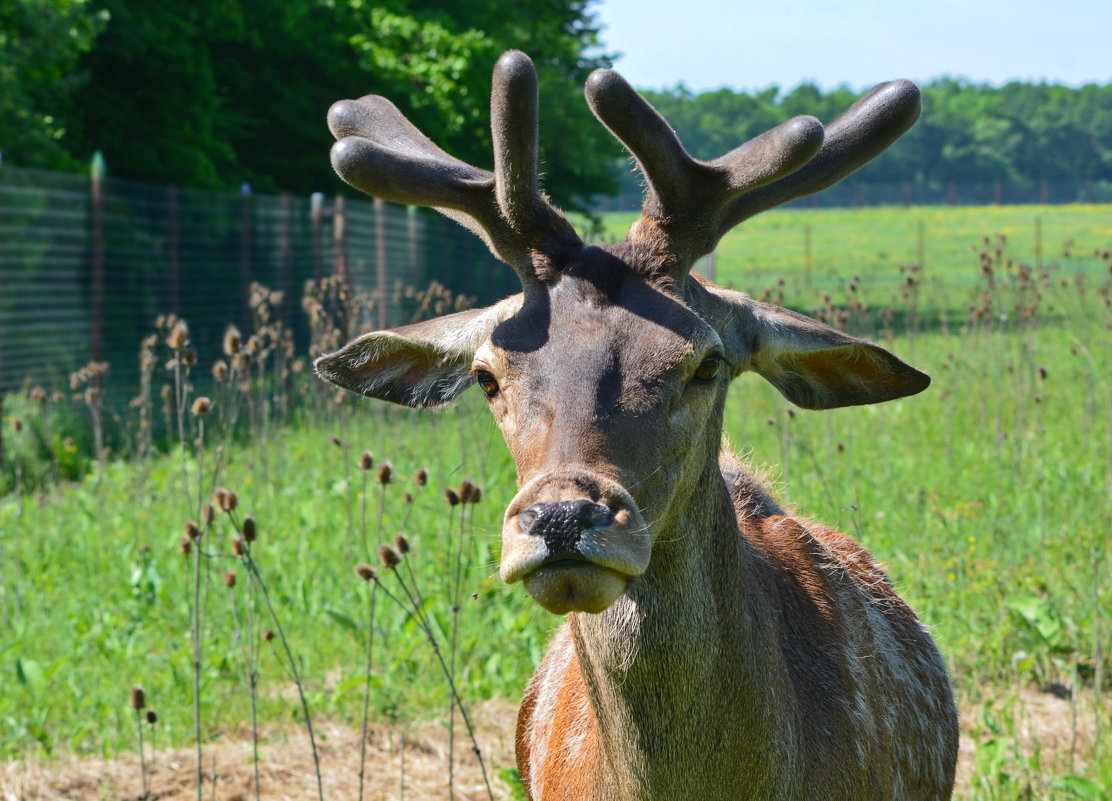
{"type": "Point", "coordinates": [1081, 787]}
{"type": "Point", "coordinates": [342, 619]}
{"type": "Point", "coordinates": [1038, 615]}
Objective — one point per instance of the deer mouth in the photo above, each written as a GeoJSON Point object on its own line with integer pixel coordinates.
{"type": "Point", "coordinates": [574, 585]}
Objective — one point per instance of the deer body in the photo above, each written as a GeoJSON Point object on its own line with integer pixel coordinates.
{"type": "Point", "coordinates": [791, 672]}
{"type": "Point", "coordinates": [716, 647]}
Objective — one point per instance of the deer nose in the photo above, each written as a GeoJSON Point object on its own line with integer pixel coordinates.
{"type": "Point", "coordinates": [561, 524]}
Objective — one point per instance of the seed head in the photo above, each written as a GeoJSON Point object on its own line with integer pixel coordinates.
{"type": "Point", "coordinates": [201, 407]}
{"type": "Point", "coordinates": [385, 473]}
{"type": "Point", "coordinates": [268, 634]}
{"type": "Point", "coordinates": [239, 547]}
{"type": "Point", "coordinates": [339, 443]}
{"type": "Point", "coordinates": [230, 579]}
{"type": "Point", "coordinates": [178, 336]}
{"type": "Point", "coordinates": [229, 502]}
{"type": "Point", "coordinates": [152, 717]}
{"type": "Point", "coordinates": [189, 358]}
{"type": "Point", "coordinates": [365, 572]}
{"type": "Point", "coordinates": [451, 497]}
{"type": "Point", "coordinates": [402, 544]}
{"type": "Point", "coordinates": [232, 341]}
{"type": "Point", "coordinates": [138, 699]}
{"type": "Point", "coordinates": [185, 545]}
{"type": "Point", "coordinates": [476, 494]}
{"type": "Point", "coordinates": [408, 497]}
{"type": "Point", "coordinates": [208, 514]}
{"type": "Point", "coordinates": [241, 361]}
{"type": "Point", "coordinates": [388, 557]}
{"type": "Point", "coordinates": [422, 477]}
{"type": "Point", "coordinates": [17, 424]}
{"type": "Point", "coordinates": [220, 370]}
{"type": "Point", "coordinates": [366, 461]}
{"type": "Point", "coordinates": [250, 531]}
{"type": "Point", "coordinates": [790, 412]}
{"type": "Point", "coordinates": [1042, 373]}
{"type": "Point", "coordinates": [465, 491]}
{"type": "Point", "coordinates": [192, 531]}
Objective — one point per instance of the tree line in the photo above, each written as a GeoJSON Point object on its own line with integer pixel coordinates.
{"type": "Point", "coordinates": [214, 93]}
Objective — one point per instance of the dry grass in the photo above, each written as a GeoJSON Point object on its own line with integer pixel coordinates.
{"type": "Point", "coordinates": [1043, 721]}
{"type": "Point", "coordinates": [287, 767]}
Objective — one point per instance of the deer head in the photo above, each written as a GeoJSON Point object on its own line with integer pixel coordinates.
{"type": "Point", "coordinates": [608, 373]}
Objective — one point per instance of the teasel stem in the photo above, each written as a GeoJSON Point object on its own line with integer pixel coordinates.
{"type": "Point", "coordinates": [250, 673]}
{"type": "Point", "coordinates": [253, 571]}
{"type": "Point", "coordinates": [367, 691]}
{"type": "Point", "coordinates": [427, 628]}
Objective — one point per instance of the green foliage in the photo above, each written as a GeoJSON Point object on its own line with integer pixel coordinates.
{"type": "Point", "coordinates": [40, 44]}
{"type": "Point", "coordinates": [968, 132]}
{"type": "Point", "coordinates": [212, 93]}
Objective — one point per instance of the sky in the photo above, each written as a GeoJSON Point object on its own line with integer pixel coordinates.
{"type": "Point", "coordinates": [707, 44]}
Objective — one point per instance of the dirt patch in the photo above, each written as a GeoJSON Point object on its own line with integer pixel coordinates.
{"type": "Point", "coordinates": [417, 756]}
{"type": "Point", "coordinates": [1032, 718]}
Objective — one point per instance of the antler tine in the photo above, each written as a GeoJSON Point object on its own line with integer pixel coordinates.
{"type": "Point", "coordinates": [687, 197]}
{"type": "Point", "coordinates": [858, 136]}
{"type": "Point", "coordinates": [381, 153]}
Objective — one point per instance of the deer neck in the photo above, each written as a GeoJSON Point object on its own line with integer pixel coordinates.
{"type": "Point", "coordinates": [670, 668]}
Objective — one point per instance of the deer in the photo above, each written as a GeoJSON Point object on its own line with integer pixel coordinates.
{"type": "Point", "coordinates": [716, 646]}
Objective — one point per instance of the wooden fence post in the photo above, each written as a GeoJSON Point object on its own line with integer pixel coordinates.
{"type": "Point", "coordinates": [379, 206]}
{"type": "Point", "coordinates": [172, 246]}
{"type": "Point", "coordinates": [339, 242]}
{"type": "Point", "coordinates": [285, 255]}
{"type": "Point", "coordinates": [96, 294]}
{"type": "Point", "coordinates": [316, 215]}
{"type": "Point", "coordinates": [245, 254]}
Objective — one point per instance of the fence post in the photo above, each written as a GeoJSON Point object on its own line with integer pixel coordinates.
{"type": "Point", "coordinates": [1038, 243]}
{"type": "Point", "coordinates": [96, 329]}
{"type": "Point", "coordinates": [285, 250]}
{"type": "Point", "coordinates": [807, 255]}
{"type": "Point", "coordinates": [379, 206]}
{"type": "Point", "coordinates": [411, 239]}
{"type": "Point", "coordinates": [316, 215]}
{"type": "Point", "coordinates": [339, 242]}
{"type": "Point", "coordinates": [172, 246]}
{"type": "Point", "coordinates": [998, 189]}
{"type": "Point", "coordinates": [245, 254]}
{"type": "Point", "coordinates": [1044, 191]}
{"type": "Point", "coordinates": [952, 193]}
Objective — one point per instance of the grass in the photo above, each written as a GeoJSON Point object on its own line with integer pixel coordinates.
{"type": "Point", "coordinates": [986, 496]}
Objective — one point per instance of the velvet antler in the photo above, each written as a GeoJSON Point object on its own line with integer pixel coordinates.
{"type": "Point", "coordinates": [690, 204]}
{"type": "Point", "coordinates": [378, 151]}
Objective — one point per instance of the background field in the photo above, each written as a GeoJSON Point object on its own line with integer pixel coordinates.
{"type": "Point", "coordinates": [987, 497]}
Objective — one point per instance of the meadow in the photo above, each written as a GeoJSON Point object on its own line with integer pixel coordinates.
{"type": "Point", "coordinates": [987, 497]}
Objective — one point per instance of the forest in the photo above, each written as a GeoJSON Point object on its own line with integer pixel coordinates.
{"type": "Point", "coordinates": [214, 93]}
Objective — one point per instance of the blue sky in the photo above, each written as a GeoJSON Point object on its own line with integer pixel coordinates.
{"type": "Point", "coordinates": [745, 45]}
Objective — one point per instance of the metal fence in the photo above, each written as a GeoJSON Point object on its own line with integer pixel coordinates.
{"type": "Point", "coordinates": [854, 194]}
{"type": "Point", "coordinates": [88, 263]}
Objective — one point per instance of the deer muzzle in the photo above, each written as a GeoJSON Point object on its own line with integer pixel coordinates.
{"type": "Point", "coordinates": [575, 539]}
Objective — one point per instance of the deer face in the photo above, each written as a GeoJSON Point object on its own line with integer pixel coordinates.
{"type": "Point", "coordinates": [608, 373]}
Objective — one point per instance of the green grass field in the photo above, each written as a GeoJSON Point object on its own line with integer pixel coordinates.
{"type": "Point", "coordinates": [987, 497]}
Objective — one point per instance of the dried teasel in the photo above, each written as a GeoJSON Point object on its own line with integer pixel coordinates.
{"type": "Point", "coordinates": [451, 496]}
{"type": "Point", "coordinates": [421, 477]}
{"type": "Point", "coordinates": [17, 424]}
{"type": "Point", "coordinates": [232, 341]}
{"type": "Point", "coordinates": [192, 531]}
{"type": "Point", "coordinates": [465, 491]}
{"type": "Point", "coordinates": [230, 579]}
{"type": "Point", "coordinates": [366, 460]}
{"type": "Point", "coordinates": [137, 698]}
{"type": "Point", "coordinates": [178, 336]}
{"type": "Point", "coordinates": [239, 547]}
{"type": "Point", "coordinates": [152, 717]}
{"type": "Point", "coordinates": [407, 497]}
{"type": "Point", "coordinates": [402, 544]}
{"type": "Point", "coordinates": [208, 514]}
{"type": "Point", "coordinates": [219, 497]}
{"type": "Point", "coordinates": [220, 370]}
{"type": "Point", "coordinates": [201, 407]}
{"type": "Point", "coordinates": [250, 530]}
{"type": "Point", "coordinates": [339, 443]}
{"type": "Point", "coordinates": [185, 546]}
{"type": "Point", "coordinates": [385, 473]}
{"type": "Point", "coordinates": [476, 494]}
{"type": "Point", "coordinates": [365, 572]}
{"type": "Point", "coordinates": [388, 557]}
{"type": "Point", "coordinates": [268, 634]}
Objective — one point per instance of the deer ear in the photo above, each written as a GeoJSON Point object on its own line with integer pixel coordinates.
{"type": "Point", "coordinates": [424, 365]}
{"type": "Point", "coordinates": [818, 367]}
{"type": "Point", "coordinates": [813, 365]}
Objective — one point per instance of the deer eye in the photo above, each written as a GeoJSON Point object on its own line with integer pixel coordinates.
{"type": "Point", "coordinates": [707, 370]}
{"type": "Point", "coordinates": [487, 383]}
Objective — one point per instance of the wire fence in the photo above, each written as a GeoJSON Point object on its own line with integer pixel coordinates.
{"type": "Point", "coordinates": [88, 263]}
{"type": "Point", "coordinates": [855, 194]}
